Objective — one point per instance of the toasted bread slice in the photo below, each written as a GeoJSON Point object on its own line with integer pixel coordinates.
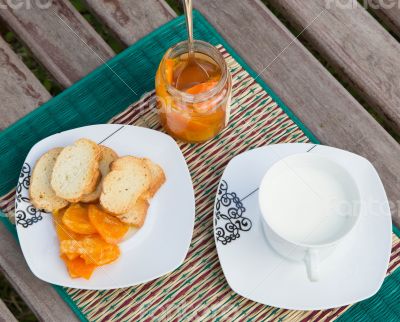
{"type": "Point", "coordinates": [128, 179]}
{"type": "Point", "coordinates": [41, 193]}
{"type": "Point", "coordinates": [107, 157]}
{"type": "Point", "coordinates": [157, 178]}
{"type": "Point", "coordinates": [136, 215]}
{"type": "Point", "coordinates": [76, 171]}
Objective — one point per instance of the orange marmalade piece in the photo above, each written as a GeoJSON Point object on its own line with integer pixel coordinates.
{"type": "Point", "coordinates": [64, 233]}
{"type": "Point", "coordinates": [169, 70]}
{"type": "Point", "coordinates": [110, 228]}
{"type": "Point", "coordinates": [202, 87]}
{"type": "Point", "coordinates": [77, 267]}
{"type": "Point", "coordinates": [76, 218]}
{"type": "Point", "coordinates": [93, 249]}
{"type": "Point", "coordinates": [88, 237]}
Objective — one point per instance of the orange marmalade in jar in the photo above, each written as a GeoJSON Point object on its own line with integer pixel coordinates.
{"type": "Point", "coordinates": [193, 104]}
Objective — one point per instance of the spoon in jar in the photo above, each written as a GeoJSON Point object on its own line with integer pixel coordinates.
{"type": "Point", "coordinates": [192, 67]}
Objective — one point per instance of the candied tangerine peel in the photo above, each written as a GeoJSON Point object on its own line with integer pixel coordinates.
{"type": "Point", "coordinates": [63, 232]}
{"type": "Point", "coordinates": [77, 267]}
{"type": "Point", "coordinates": [202, 87]}
{"type": "Point", "coordinates": [110, 228]}
{"type": "Point", "coordinates": [175, 66]}
{"type": "Point", "coordinates": [88, 238]}
{"type": "Point", "coordinates": [93, 250]}
{"type": "Point", "coordinates": [76, 218]}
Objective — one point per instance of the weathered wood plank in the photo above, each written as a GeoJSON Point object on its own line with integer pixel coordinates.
{"type": "Point", "coordinates": [131, 20]}
{"type": "Point", "coordinates": [20, 91]}
{"type": "Point", "coordinates": [357, 46]}
{"type": "Point", "coordinates": [41, 297]}
{"type": "Point", "coordinates": [319, 100]}
{"type": "Point", "coordinates": [61, 39]}
{"type": "Point", "coordinates": [388, 11]}
{"type": "Point", "coordinates": [68, 59]}
{"type": "Point", "coordinates": [5, 314]}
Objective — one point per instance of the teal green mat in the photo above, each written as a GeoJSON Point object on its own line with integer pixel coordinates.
{"type": "Point", "coordinates": [101, 95]}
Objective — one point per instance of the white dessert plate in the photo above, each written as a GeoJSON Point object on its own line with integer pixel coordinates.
{"type": "Point", "coordinates": [159, 247]}
{"type": "Point", "coordinates": [354, 272]}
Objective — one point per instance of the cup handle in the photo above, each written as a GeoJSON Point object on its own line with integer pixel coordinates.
{"type": "Point", "coordinates": [312, 264]}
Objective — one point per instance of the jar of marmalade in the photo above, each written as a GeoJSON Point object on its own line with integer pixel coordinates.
{"type": "Point", "coordinates": [193, 92]}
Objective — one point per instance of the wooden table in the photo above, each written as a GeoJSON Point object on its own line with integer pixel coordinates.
{"type": "Point", "coordinates": [363, 56]}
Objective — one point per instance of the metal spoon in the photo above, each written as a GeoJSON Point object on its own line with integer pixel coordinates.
{"type": "Point", "coordinates": [192, 66]}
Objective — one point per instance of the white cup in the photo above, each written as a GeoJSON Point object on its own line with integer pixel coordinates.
{"type": "Point", "coordinates": [309, 204]}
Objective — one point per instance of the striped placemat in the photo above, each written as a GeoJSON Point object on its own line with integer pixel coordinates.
{"type": "Point", "coordinates": [198, 289]}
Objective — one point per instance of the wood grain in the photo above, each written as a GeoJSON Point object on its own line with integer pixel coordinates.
{"type": "Point", "coordinates": [317, 98]}
{"type": "Point", "coordinates": [60, 38]}
{"type": "Point", "coordinates": [314, 95]}
{"type": "Point", "coordinates": [388, 12]}
{"type": "Point", "coordinates": [68, 59]}
{"type": "Point", "coordinates": [357, 46]}
{"type": "Point", "coordinates": [41, 297]}
{"type": "Point", "coordinates": [5, 314]}
{"type": "Point", "coordinates": [131, 20]}
{"type": "Point", "coordinates": [20, 91]}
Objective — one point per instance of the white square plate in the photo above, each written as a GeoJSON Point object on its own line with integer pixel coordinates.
{"type": "Point", "coordinates": [354, 272]}
{"type": "Point", "coordinates": [159, 247]}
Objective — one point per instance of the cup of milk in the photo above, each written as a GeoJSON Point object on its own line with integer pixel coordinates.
{"type": "Point", "coordinates": [309, 204]}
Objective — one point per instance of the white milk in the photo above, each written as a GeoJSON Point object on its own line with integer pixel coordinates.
{"type": "Point", "coordinates": [309, 203]}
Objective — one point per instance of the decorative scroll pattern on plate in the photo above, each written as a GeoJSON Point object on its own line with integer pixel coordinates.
{"type": "Point", "coordinates": [229, 219]}
{"type": "Point", "coordinates": [26, 214]}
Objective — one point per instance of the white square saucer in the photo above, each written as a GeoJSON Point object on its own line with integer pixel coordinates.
{"type": "Point", "coordinates": [354, 272]}
{"type": "Point", "coordinates": [159, 247]}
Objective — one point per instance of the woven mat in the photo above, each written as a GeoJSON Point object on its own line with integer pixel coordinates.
{"type": "Point", "coordinates": [197, 290]}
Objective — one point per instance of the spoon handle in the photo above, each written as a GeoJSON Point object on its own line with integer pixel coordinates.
{"type": "Point", "coordinates": [188, 8]}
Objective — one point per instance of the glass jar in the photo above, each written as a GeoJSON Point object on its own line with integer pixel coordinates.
{"type": "Point", "coordinates": [188, 116]}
